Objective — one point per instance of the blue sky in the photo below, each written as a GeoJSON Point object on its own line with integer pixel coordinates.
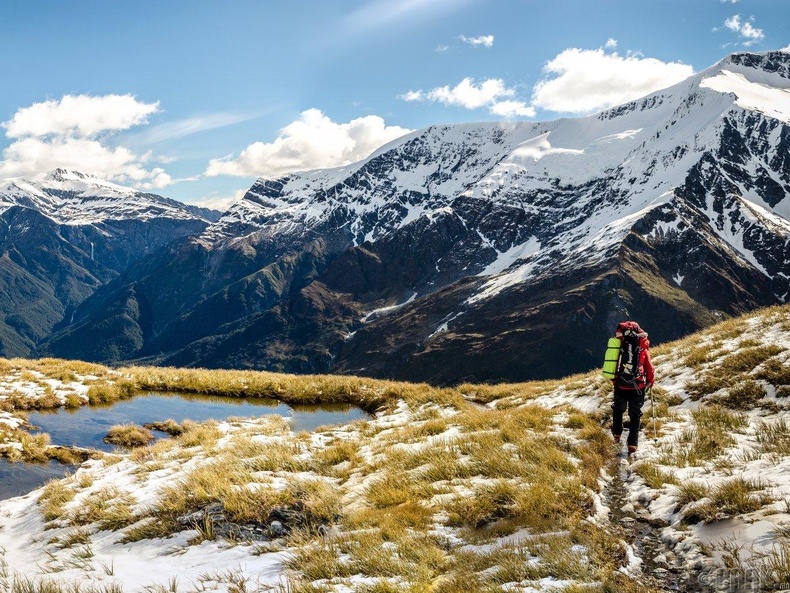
{"type": "Point", "coordinates": [195, 99]}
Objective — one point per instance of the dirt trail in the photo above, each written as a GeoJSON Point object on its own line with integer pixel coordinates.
{"type": "Point", "coordinates": [632, 524]}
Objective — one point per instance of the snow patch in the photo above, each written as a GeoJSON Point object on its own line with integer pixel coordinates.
{"type": "Point", "coordinates": [772, 101]}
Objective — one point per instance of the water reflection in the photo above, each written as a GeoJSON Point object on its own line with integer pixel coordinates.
{"type": "Point", "coordinates": [19, 478]}
{"type": "Point", "coordinates": [87, 426]}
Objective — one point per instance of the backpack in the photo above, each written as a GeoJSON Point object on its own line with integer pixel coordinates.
{"type": "Point", "coordinates": [624, 352]}
{"type": "Point", "coordinates": [628, 370]}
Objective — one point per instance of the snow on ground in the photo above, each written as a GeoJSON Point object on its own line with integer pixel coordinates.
{"type": "Point", "coordinates": [762, 531]}
{"type": "Point", "coordinates": [27, 546]}
{"type": "Point", "coordinates": [696, 534]}
{"type": "Point", "coordinates": [35, 386]}
{"type": "Point", "coordinates": [73, 546]}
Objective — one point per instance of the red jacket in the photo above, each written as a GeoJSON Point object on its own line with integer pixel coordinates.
{"type": "Point", "coordinates": [645, 373]}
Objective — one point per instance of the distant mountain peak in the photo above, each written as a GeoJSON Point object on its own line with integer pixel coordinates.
{"type": "Point", "coordinates": [67, 175]}
{"type": "Point", "coordinates": [75, 198]}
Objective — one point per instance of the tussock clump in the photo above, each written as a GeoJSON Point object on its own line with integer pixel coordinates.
{"type": "Point", "coordinates": [339, 452]}
{"type": "Point", "coordinates": [152, 452]}
{"type": "Point", "coordinates": [34, 447]}
{"type": "Point", "coordinates": [310, 503]}
{"type": "Point", "coordinates": [747, 359]}
{"type": "Point", "coordinates": [393, 489]}
{"type": "Point", "coordinates": [711, 437]}
{"type": "Point", "coordinates": [72, 401]}
{"type": "Point", "coordinates": [653, 475]}
{"type": "Point", "coordinates": [270, 457]}
{"type": "Point", "coordinates": [744, 395]}
{"type": "Point", "coordinates": [205, 434]}
{"type": "Point", "coordinates": [75, 537]}
{"type": "Point", "coordinates": [109, 393]}
{"type": "Point", "coordinates": [537, 505]}
{"type": "Point", "coordinates": [129, 435]}
{"type": "Point", "coordinates": [734, 497]}
{"type": "Point", "coordinates": [700, 355]}
{"type": "Point", "coordinates": [775, 372]}
{"type": "Point", "coordinates": [708, 384]}
{"type": "Point", "coordinates": [67, 455]}
{"type": "Point", "coordinates": [486, 504]}
{"type": "Point", "coordinates": [54, 496]}
{"type": "Point", "coordinates": [168, 426]}
{"type": "Point", "coordinates": [109, 507]}
{"type": "Point", "coordinates": [719, 419]}
{"type": "Point", "coordinates": [732, 370]}
{"type": "Point", "coordinates": [773, 437]}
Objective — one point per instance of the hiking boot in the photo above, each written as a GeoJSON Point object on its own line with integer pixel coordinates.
{"type": "Point", "coordinates": [631, 449]}
{"type": "Point", "coordinates": [616, 438]}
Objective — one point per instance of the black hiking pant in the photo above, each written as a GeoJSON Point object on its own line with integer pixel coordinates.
{"type": "Point", "coordinates": [633, 400]}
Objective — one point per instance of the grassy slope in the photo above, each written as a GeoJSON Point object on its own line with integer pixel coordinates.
{"type": "Point", "coordinates": [445, 490]}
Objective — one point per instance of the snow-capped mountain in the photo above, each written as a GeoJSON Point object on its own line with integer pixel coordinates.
{"type": "Point", "coordinates": [577, 185]}
{"type": "Point", "coordinates": [463, 250]}
{"type": "Point", "coordinates": [74, 198]}
{"type": "Point", "coordinates": [64, 235]}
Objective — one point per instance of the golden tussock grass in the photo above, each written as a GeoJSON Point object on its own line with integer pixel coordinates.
{"type": "Point", "coordinates": [653, 475]}
{"type": "Point", "coordinates": [84, 479]}
{"type": "Point", "coordinates": [129, 435]}
{"type": "Point", "coordinates": [108, 393]}
{"type": "Point", "coordinates": [369, 394]}
{"type": "Point", "coordinates": [773, 437]}
{"type": "Point", "coordinates": [194, 434]}
{"type": "Point", "coordinates": [269, 457]}
{"type": "Point", "coordinates": [109, 507]}
{"type": "Point", "coordinates": [168, 426]}
{"type": "Point", "coordinates": [736, 496]}
{"type": "Point", "coordinates": [488, 471]}
{"type": "Point", "coordinates": [34, 447]}
{"type": "Point", "coordinates": [743, 395]}
{"type": "Point", "coordinates": [707, 440]}
{"type": "Point", "coordinates": [53, 498]}
{"type": "Point", "coordinates": [152, 452]}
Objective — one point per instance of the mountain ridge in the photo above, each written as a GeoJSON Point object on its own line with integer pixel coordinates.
{"type": "Point", "coordinates": [444, 254]}
{"type": "Point", "coordinates": [65, 235]}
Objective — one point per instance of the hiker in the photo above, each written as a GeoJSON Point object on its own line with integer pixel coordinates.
{"type": "Point", "coordinates": [632, 377]}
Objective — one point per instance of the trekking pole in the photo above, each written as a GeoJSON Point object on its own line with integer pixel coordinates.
{"type": "Point", "coordinates": [653, 409]}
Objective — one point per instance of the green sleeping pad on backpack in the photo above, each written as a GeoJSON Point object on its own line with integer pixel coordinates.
{"type": "Point", "coordinates": [610, 358]}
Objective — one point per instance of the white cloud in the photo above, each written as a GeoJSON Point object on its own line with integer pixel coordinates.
{"type": "Point", "coordinates": [491, 93]}
{"type": "Point", "coordinates": [413, 96]}
{"type": "Point", "coordinates": [730, 1]}
{"type": "Point", "coordinates": [611, 43]}
{"type": "Point", "coordinates": [582, 81]}
{"type": "Point", "coordinates": [311, 142]}
{"type": "Point", "coordinates": [72, 133]}
{"type": "Point", "coordinates": [512, 109]}
{"type": "Point", "coordinates": [33, 156]}
{"type": "Point", "coordinates": [745, 29]}
{"type": "Point", "coordinates": [470, 95]}
{"type": "Point", "coordinates": [786, 48]}
{"type": "Point", "coordinates": [81, 115]}
{"type": "Point", "coordinates": [441, 48]}
{"type": "Point", "coordinates": [482, 40]}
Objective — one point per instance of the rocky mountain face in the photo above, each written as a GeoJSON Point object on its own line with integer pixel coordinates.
{"type": "Point", "coordinates": [492, 251]}
{"type": "Point", "coordinates": [64, 236]}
